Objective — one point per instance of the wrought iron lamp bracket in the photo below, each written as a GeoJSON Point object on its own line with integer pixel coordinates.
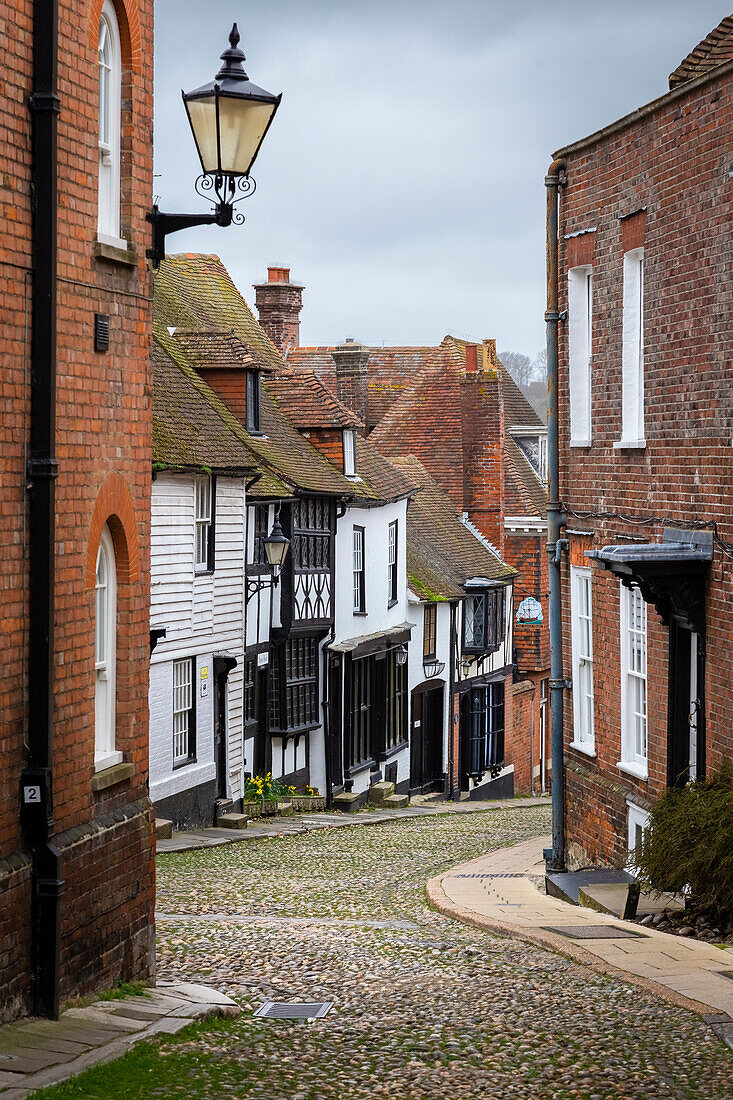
{"type": "Point", "coordinates": [228, 191]}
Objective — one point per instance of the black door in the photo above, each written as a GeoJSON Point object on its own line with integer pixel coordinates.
{"type": "Point", "coordinates": [222, 668]}
{"type": "Point", "coordinates": [426, 741]}
{"type": "Point", "coordinates": [686, 718]}
{"type": "Point", "coordinates": [335, 721]}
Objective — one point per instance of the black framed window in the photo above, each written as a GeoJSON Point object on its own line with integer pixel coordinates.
{"type": "Point", "coordinates": [396, 702]}
{"type": "Point", "coordinates": [392, 558]}
{"type": "Point", "coordinates": [359, 571]}
{"type": "Point", "coordinates": [261, 520]}
{"type": "Point", "coordinates": [485, 741]}
{"type": "Point", "coordinates": [430, 630]}
{"type": "Point", "coordinates": [361, 701]}
{"type": "Point", "coordinates": [184, 711]}
{"type": "Point", "coordinates": [253, 401]}
{"type": "Point", "coordinates": [204, 504]}
{"type": "Point", "coordinates": [483, 621]}
{"type": "Point", "coordinates": [250, 691]}
{"type": "Point", "coordinates": [312, 535]}
{"type": "Point", "coordinates": [293, 685]}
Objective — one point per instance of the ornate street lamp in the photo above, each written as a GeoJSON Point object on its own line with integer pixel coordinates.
{"type": "Point", "coordinates": [229, 119]}
{"type": "Point", "coordinates": [276, 550]}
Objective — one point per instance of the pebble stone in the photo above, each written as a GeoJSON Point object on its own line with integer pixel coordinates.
{"type": "Point", "coordinates": [424, 1008]}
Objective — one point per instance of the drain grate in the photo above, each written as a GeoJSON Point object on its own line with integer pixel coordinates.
{"type": "Point", "coordinates": [597, 932]}
{"type": "Point", "coordinates": [504, 874]}
{"type": "Point", "coordinates": [291, 1010]}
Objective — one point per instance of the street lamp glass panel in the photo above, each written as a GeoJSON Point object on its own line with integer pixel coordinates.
{"type": "Point", "coordinates": [242, 126]}
{"type": "Point", "coordinates": [276, 547]}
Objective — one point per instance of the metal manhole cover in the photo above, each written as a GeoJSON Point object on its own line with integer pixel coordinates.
{"type": "Point", "coordinates": [596, 932]}
{"type": "Point", "coordinates": [505, 874]}
{"type": "Point", "coordinates": [288, 1010]}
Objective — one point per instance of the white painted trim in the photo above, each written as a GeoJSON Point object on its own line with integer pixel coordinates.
{"type": "Point", "coordinates": [637, 770]}
{"type": "Point", "coordinates": [587, 749]}
{"type": "Point", "coordinates": [580, 233]}
{"type": "Point", "coordinates": [635, 816]}
{"type": "Point", "coordinates": [578, 574]}
{"type": "Point", "coordinates": [108, 155]}
{"type": "Point", "coordinates": [580, 349]}
{"type": "Point", "coordinates": [632, 348]}
{"type": "Point", "coordinates": [525, 523]}
{"type": "Point", "coordinates": [116, 242]}
{"type": "Point", "coordinates": [482, 538]}
{"type": "Point", "coordinates": [582, 443]}
{"type": "Point", "coordinates": [629, 445]}
{"type": "Point", "coordinates": [105, 659]}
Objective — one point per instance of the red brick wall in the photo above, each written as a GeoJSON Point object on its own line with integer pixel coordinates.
{"type": "Point", "coordinates": [278, 309]}
{"type": "Point", "coordinates": [674, 163]}
{"type": "Point", "coordinates": [231, 386]}
{"type": "Point", "coordinates": [527, 552]}
{"type": "Point", "coordinates": [103, 450]}
{"type": "Point", "coordinates": [330, 442]}
{"type": "Point", "coordinates": [482, 417]}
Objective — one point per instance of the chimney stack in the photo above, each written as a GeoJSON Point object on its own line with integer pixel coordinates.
{"type": "Point", "coordinates": [279, 303]}
{"type": "Point", "coordinates": [351, 377]}
{"type": "Point", "coordinates": [471, 358]}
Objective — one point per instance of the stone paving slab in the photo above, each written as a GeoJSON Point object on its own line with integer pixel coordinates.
{"type": "Point", "coordinates": [685, 972]}
{"type": "Point", "coordinates": [35, 1053]}
{"type": "Point", "coordinates": [304, 823]}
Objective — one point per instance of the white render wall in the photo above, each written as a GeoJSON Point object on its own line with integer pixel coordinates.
{"type": "Point", "coordinates": [203, 616]}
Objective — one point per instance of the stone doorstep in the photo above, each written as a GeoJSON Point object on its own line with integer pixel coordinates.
{"type": "Point", "coordinates": [232, 821]}
{"type": "Point", "coordinates": [163, 828]}
{"type": "Point", "coordinates": [378, 792]}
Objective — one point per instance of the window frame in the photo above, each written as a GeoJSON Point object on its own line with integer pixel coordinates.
{"type": "Point", "coordinates": [485, 739]}
{"type": "Point", "coordinates": [260, 531]}
{"type": "Point", "coordinates": [311, 549]}
{"type": "Point", "coordinates": [106, 754]}
{"type": "Point", "coordinates": [393, 554]}
{"type": "Point", "coordinates": [181, 760]}
{"type": "Point", "coordinates": [204, 520]}
{"type": "Point", "coordinates": [109, 159]}
{"type": "Point", "coordinates": [580, 354]}
{"type": "Point", "coordinates": [632, 760]}
{"type": "Point", "coordinates": [581, 612]}
{"type": "Point", "coordinates": [632, 353]}
{"type": "Point", "coordinates": [493, 620]}
{"type": "Point", "coordinates": [637, 818]}
{"type": "Point", "coordinates": [349, 446]}
{"type": "Point", "coordinates": [358, 563]}
{"type": "Point", "coordinates": [253, 402]}
{"type": "Point", "coordinates": [430, 632]}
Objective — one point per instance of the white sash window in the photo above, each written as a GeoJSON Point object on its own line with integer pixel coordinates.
{"type": "Point", "coordinates": [580, 331]}
{"type": "Point", "coordinates": [633, 683]}
{"type": "Point", "coordinates": [110, 106]}
{"type": "Point", "coordinates": [105, 655]}
{"type": "Point", "coordinates": [632, 401]}
{"type": "Point", "coordinates": [581, 609]}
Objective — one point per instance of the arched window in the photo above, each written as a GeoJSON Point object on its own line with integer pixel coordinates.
{"type": "Point", "coordinates": [105, 654]}
{"type": "Point", "coordinates": [110, 105]}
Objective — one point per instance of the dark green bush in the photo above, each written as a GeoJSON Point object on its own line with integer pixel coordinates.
{"type": "Point", "coordinates": [689, 843]}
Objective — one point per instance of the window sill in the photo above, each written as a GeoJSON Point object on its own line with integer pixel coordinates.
{"type": "Point", "coordinates": [362, 766]}
{"type": "Point", "coordinates": [580, 442]}
{"type": "Point", "coordinates": [629, 445]}
{"type": "Point", "coordinates": [115, 250]}
{"type": "Point", "coordinates": [177, 764]}
{"type": "Point", "coordinates": [394, 750]}
{"type": "Point", "coordinates": [352, 477]}
{"type": "Point", "coordinates": [639, 771]}
{"type": "Point", "coordinates": [105, 760]}
{"type": "Point", "coordinates": [588, 750]}
{"type": "Point", "coordinates": [360, 613]}
{"type": "Point", "coordinates": [111, 776]}
{"type": "Point", "coordinates": [203, 572]}
{"type": "Point", "coordinates": [391, 603]}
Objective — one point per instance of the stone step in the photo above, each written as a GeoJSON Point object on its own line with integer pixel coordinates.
{"type": "Point", "coordinates": [285, 809]}
{"type": "Point", "coordinates": [347, 802]}
{"type": "Point", "coordinates": [395, 801]}
{"type": "Point", "coordinates": [379, 791]}
{"type": "Point", "coordinates": [619, 899]}
{"type": "Point", "coordinates": [232, 821]}
{"type": "Point", "coordinates": [163, 828]}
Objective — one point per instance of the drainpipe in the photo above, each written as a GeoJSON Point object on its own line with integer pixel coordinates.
{"type": "Point", "coordinates": [36, 781]}
{"type": "Point", "coordinates": [555, 856]}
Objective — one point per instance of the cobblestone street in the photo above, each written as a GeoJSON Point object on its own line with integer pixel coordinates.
{"type": "Point", "coordinates": [423, 1006]}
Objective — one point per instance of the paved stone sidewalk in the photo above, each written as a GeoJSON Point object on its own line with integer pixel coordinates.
{"type": "Point", "coordinates": [305, 823]}
{"type": "Point", "coordinates": [499, 891]}
{"type": "Point", "coordinates": [35, 1053]}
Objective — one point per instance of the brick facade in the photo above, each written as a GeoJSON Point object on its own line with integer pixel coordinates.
{"type": "Point", "coordinates": [278, 303]}
{"type": "Point", "coordinates": [103, 443]}
{"type": "Point", "coordinates": [661, 179]}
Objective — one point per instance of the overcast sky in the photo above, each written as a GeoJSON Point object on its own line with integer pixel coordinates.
{"type": "Point", "coordinates": [402, 180]}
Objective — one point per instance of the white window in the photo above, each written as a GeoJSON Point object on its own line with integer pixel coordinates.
{"type": "Point", "coordinates": [633, 683]}
{"type": "Point", "coordinates": [350, 454]}
{"type": "Point", "coordinates": [358, 570]}
{"type": "Point", "coordinates": [580, 340]}
{"type": "Point", "coordinates": [110, 103]}
{"type": "Point", "coordinates": [105, 655]}
{"type": "Point", "coordinates": [632, 399]}
{"type": "Point", "coordinates": [392, 564]}
{"type": "Point", "coordinates": [534, 449]}
{"type": "Point", "coordinates": [183, 713]}
{"type": "Point", "coordinates": [204, 541]}
{"type": "Point", "coordinates": [581, 610]}
{"type": "Point", "coordinates": [638, 820]}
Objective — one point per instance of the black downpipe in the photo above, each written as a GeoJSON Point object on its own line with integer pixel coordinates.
{"type": "Point", "coordinates": [42, 471]}
{"type": "Point", "coordinates": [555, 857]}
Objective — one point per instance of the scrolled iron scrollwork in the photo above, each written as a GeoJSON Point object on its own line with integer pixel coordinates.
{"type": "Point", "coordinates": [228, 190]}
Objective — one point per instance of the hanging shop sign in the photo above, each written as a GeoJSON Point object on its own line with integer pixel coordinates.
{"type": "Point", "coordinates": [529, 612]}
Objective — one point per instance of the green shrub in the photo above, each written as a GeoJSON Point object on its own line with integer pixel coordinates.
{"type": "Point", "coordinates": [688, 845]}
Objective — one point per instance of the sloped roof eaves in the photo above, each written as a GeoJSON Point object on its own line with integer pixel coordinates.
{"type": "Point", "coordinates": [385, 480]}
{"type": "Point", "coordinates": [714, 50]}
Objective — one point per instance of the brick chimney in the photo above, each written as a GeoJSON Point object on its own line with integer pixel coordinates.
{"type": "Point", "coordinates": [351, 377]}
{"type": "Point", "coordinates": [482, 416]}
{"type": "Point", "coordinates": [279, 303]}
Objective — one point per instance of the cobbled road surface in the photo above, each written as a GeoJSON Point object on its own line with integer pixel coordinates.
{"type": "Point", "coordinates": [423, 1007]}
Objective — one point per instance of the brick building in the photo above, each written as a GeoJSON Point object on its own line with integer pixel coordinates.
{"type": "Point", "coordinates": [646, 480]}
{"type": "Point", "coordinates": [76, 876]}
{"type": "Point", "coordinates": [457, 409]}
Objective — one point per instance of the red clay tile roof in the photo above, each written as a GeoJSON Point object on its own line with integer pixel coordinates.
{"type": "Point", "coordinates": [215, 349]}
{"type": "Point", "coordinates": [442, 554]}
{"type": "Point", "coordinates": [714, 50]}
{"type": "Point", "coordinates": [308, 402]}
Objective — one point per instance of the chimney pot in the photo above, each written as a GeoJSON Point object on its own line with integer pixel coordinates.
{"type": "Point", "coordinates": [278, 274]}
{"type": "Point", "coordinates": [471, 358]}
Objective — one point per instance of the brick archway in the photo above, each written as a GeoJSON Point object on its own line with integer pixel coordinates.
{"type": "Point", "coordinates": [129, 23]}
{"type": "Point", "coordinates": [114, 506]}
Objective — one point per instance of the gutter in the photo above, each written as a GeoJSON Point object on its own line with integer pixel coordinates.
{"type": "Point", "coordinates": [555, 856]}
{"type": "Point", "coordinates": [36, 805]}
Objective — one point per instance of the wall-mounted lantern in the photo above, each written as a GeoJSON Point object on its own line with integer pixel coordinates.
{"type": "Point", "coordinates": [276, 550]}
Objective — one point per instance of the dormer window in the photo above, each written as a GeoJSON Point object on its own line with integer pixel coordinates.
{"type": "Point", "coordinates": [534, 449]}
{"type": "Point", "coordinates": [350, 454]}
{"type": "Point", "coordinates": [253, 401]}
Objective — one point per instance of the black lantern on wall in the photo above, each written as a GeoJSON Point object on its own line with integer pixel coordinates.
{"type": "Point", "coordinates": [276, 546]}
{"type": "Point", "coordinates": [229, 119]}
